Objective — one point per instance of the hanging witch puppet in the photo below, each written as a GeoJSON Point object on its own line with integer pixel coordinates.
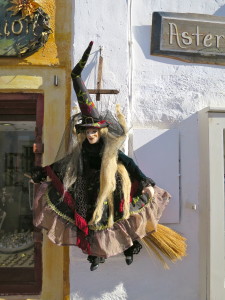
{"type": "Point", "coordinates": [97, 197]}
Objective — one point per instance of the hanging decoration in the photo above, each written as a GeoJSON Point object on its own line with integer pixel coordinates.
{"type": "Point", "coordinates": [24, 28]}
{"type": "Point", "coordinates": [26, 7]}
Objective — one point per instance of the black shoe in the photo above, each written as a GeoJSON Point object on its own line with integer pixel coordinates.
{"type": "Point", "coordinates": [135, 249]}
{"type": "Point", "coordinates": [129, 259]}
{"type": "Point", "coordinates": [95, 260]}
{"type": "Point", "coordinates": [94, 266]}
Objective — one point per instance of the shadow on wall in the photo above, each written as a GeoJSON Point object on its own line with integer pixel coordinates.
{"type": "Point", "coordinates": [220, 12]}
{"type": "Point", "coordinates": [157, 154]}
{"type": "Point", "coordinates": [92, 64]}
{"type": "Point", "coordinates": [142, 35]}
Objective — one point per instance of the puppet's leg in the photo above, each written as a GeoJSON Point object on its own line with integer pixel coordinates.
{"type": "Point", "coordinates": [95, 261]}
{"type": "Point", "coordinates": [135, 249]}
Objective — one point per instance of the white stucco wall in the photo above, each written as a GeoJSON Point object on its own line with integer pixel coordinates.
{"type": "Point", "coordinates": [156, 93]}
{"type": "Point", "coordinates": [107, 25]}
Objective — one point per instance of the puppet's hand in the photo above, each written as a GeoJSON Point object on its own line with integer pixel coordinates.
{"type": "Point", "coordinates": [149, 190]}
{"type": "Point", "coordinates": [38, 174]}
{"type": "Point", "coordinates": [95, 218]}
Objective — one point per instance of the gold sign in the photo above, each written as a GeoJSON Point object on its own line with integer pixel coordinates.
{"type": "Point", "coordinates": [24, 27]}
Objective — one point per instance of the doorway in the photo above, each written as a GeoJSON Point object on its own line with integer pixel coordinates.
{"type": "Point", "coordinates": [21, 121]}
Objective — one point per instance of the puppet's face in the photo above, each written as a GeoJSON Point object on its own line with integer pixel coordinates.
{"type": "Point", "coordinates": [93, 135]}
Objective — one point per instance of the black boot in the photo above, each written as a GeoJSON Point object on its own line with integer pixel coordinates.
{"type": "Point", "coordinates": [129, 255]}
{"type": "Point", "coordinates": [135, 249]}
{"type": "Point", "coordinates": [129, 259]}
{"type": "Point", "coordinates": [95, 261]}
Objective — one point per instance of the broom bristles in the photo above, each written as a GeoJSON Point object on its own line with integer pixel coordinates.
{"type": "Point", "coordinates": [166, 242]}
{"type": "Point", "coordinates": [151, 248]}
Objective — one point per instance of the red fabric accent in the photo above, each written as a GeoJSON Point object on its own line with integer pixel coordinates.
{"type": "Point", "coordinates": [121, 205]}
{"type": "Point", "coordinates": [82, 242]}
{"type": "Point", "coordinates": [55, 180]}
{"type": "Point", "coordinates": [133, 191]}
{"type": "Point", "coordinates": [134, 188]}
{"type": "Point", "coordinates": [80, 222]}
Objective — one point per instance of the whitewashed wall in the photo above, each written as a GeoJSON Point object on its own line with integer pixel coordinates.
{"type": "Point", "coordinates": [156, 93]}
{"type": "Point", "coordinates": [107, 25]}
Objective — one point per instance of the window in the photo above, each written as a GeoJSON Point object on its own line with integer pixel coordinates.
{"type": "Point", "coordinates": [21, 120]}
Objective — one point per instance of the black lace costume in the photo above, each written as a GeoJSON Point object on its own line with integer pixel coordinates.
{"type": "Point", "coordinates": [58, 216]}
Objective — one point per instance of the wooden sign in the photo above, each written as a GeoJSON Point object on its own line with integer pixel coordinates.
{"type": "Point", "coordinates": [190, 37]}
{"type": "Point", "coordinates": [24, 28]}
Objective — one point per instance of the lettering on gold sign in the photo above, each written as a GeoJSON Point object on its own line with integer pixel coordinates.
{"type": "Point", "coordinates": [184, 38]}
{"type": "Point", "coordinates": [16, 27]}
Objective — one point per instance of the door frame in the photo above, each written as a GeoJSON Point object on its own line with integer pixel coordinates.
{"type": "Point", "coordinates": [211, 194]}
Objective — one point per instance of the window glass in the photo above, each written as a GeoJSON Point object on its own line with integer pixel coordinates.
{"type": "Point", "coordinates": [16, 194]}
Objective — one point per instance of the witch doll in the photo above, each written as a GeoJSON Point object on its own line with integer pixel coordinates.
{"type": "Point", "coordinates": [94, 196]}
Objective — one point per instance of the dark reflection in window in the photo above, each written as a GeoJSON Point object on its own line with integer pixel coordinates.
{"type": "Point", "coordinates": [16, 195]}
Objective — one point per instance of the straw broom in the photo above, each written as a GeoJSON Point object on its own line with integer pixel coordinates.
{"type": "Point", "coordinates": [165, 242]}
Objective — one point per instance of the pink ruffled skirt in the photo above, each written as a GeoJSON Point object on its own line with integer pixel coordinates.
{"type": "Point", "coordinates": [62, 230]}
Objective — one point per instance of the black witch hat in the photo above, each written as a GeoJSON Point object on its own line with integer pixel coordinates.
{"type": "Point", "coordinates": [90, 114]}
